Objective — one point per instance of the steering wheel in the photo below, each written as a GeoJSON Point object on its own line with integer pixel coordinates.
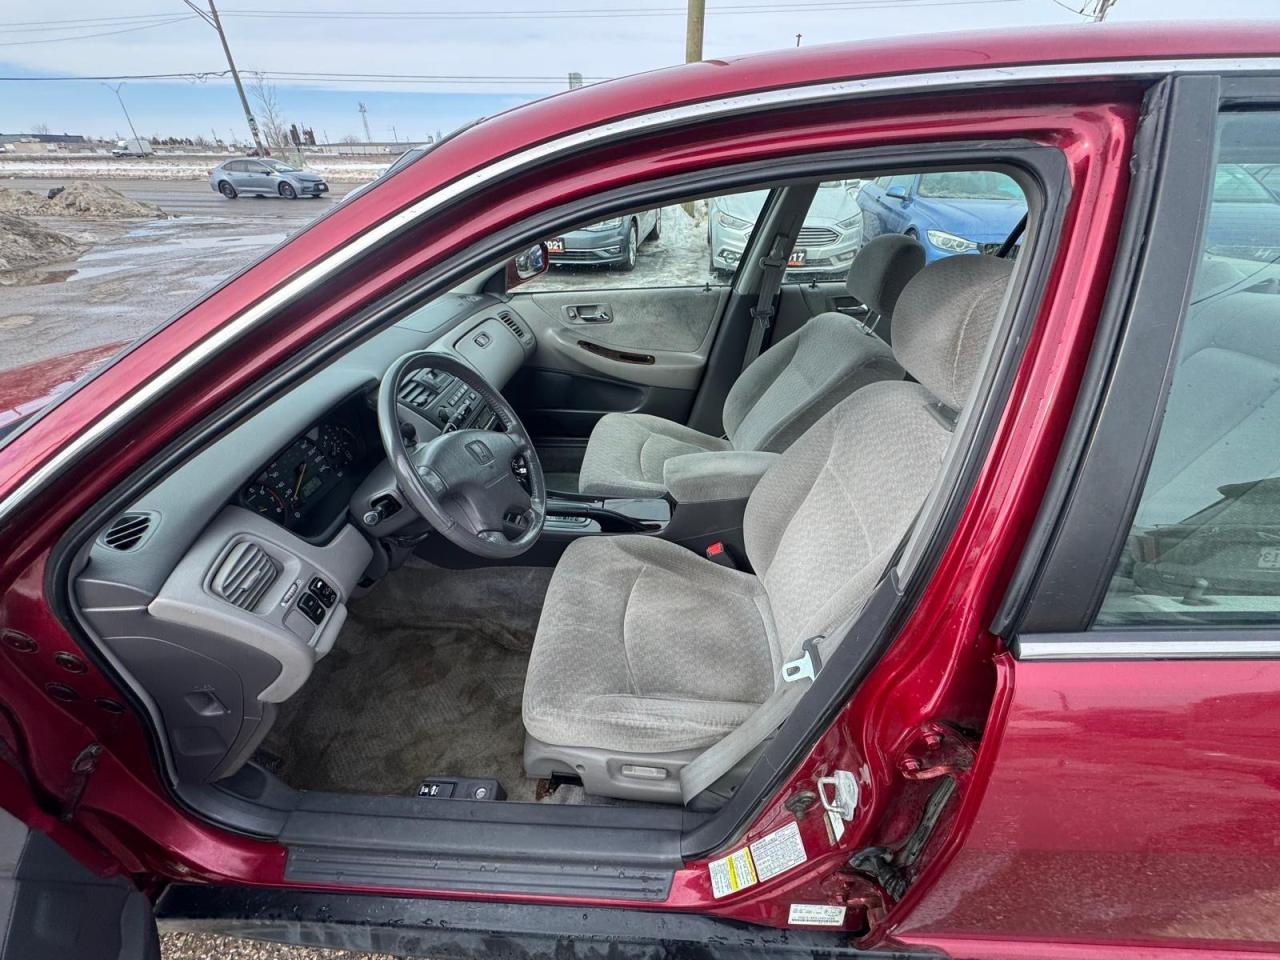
{"type": "Point", "coordinates": [463, 482]}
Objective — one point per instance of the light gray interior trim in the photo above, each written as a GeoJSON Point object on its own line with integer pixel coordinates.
{"type": "Point", "coordinates": [699, 112]}
{"type": "Point", "coordinates": [1223, 646]}
{"type": "Point", "coordinates": [273, 625]}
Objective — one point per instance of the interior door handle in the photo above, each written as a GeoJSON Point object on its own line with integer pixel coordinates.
{"type": "Point", "coordinates": [589, 313]}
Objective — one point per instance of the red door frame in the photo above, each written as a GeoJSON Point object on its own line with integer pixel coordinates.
{"type": "Point", "coordinates": [939, 668]}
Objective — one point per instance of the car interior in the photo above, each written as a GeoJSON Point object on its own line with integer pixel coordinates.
{"type": "Point", "coordinates": [547, 545]}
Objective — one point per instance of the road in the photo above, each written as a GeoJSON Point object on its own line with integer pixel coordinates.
{"type": "Point", "coordinates": [136, 275]}
{"type": "Point", "coordinates": [187, 198]}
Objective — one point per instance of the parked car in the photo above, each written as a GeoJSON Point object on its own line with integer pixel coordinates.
{"type": "Point", "coordinates": [951, 637]}
{"type": "Point", "coordinates": [265, 177]}
{"type": "Point", "coordinates": [132, 148]}
{"type": "Point", "coordinates": [826, 245]}
{"type": "Point", "coordinates": [969, 211]}
{"type": "Point", "coordinates": [1246, 213]}
{"type": "Point", "coordinates": [610, 243]}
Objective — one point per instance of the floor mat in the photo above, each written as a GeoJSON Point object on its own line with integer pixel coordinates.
{"type": "Point", "coordinates": [426, 679]}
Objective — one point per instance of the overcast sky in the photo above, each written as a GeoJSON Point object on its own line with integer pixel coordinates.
{"type": "Point", "coordinates": [478, 38]}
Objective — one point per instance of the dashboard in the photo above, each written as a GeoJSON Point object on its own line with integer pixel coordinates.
{"type": "Point", "coordinates": [247, 554]}
{"type": "Point", "coordinates": [307, 485]}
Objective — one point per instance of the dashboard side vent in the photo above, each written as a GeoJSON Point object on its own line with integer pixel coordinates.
{"type": "Point", "coordinates": [415, 393]}
{"type": "Point", "coordinates": [516, 327]}
{"type": "Point", "coordinates": [244, 576]}
{"type": "Point", "coordinates": [127, 531]}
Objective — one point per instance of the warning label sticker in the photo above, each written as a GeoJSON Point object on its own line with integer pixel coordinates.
{"type": "Point", "coordinates": [778, 851]}
{"type": "Point", "coordinates": [732, 873]}
{"type": "Point", "coordinates": [816, 915]}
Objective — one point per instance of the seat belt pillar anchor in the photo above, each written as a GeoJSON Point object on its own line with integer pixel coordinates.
{"type": "Point", "coordinates": [805, 666]}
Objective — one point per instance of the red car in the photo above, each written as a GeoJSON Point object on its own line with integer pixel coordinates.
{"type": "Point", "coordinates": [929, 612]}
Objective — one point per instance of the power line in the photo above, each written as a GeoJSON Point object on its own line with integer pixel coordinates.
{"type": "Point", "coordinates": [316, 77]}
{"type": "Point", "coordinates": [105, 33]}
{"type": "Point", "coordinates": [146, 21]}
{"type": "Point", "coordinates": [805, 6]}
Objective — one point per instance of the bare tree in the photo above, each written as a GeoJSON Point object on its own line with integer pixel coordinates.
{"type": "Point", "coordinates": [350, 138]}
{"type": "Point", "coordinates": [270, 116]}
{"type": "Point", "coordinates": [40, 128]}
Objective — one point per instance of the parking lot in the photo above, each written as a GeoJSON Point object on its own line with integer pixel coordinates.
{"type": "Point", "coordinates": [134, 275]}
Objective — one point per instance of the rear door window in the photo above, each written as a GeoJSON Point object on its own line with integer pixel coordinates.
{"type": "Point", "coordinates": [1204, 546]}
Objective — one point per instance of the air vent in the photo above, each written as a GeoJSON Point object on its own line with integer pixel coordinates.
{"type": "Point", "coordinates": [414, 394]}
{"type": "Point", "coordinates": [127, 531]}
{"type": "Point", "coordinates": [516, 327]}
{"type": "Point", "coordinates": [244, 576]}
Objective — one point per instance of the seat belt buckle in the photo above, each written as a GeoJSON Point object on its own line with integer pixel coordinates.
{"type": "Point", "coordinates": [719, 555]}
{"type": "Point", "coordinates": [763, 316]}
{"type": "Point", "coordinates": [805, 666]}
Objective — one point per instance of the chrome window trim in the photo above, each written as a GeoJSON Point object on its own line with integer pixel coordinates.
{"type": "Point", "coordinates": [898, 84]}
{"type": "Point", "coordinates": [1066, 648]}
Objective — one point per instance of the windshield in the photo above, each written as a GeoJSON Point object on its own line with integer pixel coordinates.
{"type": "Point", "coordinates": [279, 167]}
{"type": "Point", "coordinates": [970, 185]}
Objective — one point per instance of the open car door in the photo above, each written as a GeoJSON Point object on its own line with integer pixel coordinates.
{"type": "Point", "coordinates": [54, 907]}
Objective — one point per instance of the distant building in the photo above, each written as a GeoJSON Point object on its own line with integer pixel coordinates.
{"type": "Point", "coordinates": [68, 139]}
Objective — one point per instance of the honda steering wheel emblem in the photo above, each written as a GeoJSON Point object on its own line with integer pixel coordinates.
{"type": "Point", "coordinates": [480, 452]}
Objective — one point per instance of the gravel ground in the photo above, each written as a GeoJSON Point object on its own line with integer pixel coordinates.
{"type": "Point", "coordinates": [207, 946]}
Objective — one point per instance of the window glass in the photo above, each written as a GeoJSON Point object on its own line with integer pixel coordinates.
{"type": "Point", "coordinates": [1204, 547]}
{"type": "Point", "coordinates": [970, 185]}
{"type": "Point", "coordinates": [701, 242]}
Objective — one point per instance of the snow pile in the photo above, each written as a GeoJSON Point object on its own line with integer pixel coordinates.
{"type": "Point", "coordinates": [342, 169]}
{"type": "Point", "coordinates": [27, 244]}
{"type": "Point", "coordinates": [90, 201]}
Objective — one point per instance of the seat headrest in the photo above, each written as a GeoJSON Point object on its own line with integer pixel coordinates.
{"type": "Point", "coordinates": [944, 319]}
{"type": "Point", "coordinates": [880, 271]}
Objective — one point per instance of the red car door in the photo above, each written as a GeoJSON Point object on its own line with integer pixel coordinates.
{"type": "Point", "coordinates": [1135, 796]}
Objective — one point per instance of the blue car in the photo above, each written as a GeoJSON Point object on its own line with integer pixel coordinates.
{"type": "Point", "coordinates": [971, 211]}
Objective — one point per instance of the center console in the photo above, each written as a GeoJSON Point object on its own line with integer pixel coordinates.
{"type": "Point", "coordinates": [446, 402]}
{"type": "Point", "coordinates": [571, 515]}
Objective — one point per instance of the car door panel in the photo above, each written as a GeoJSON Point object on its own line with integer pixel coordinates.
{"type": "Point", "coordinates": [648, 356]}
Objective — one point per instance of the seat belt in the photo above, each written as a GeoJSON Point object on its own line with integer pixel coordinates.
{"type": "Point", "coordinates": [773, 269]}
{"type": "Point", "coordinates": [714, 762]}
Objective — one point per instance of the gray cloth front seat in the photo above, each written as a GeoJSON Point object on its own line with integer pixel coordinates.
{"type": "Point", "coordinates": [647, 653]}
{"type": "Point", "coordinates": [778, 397]}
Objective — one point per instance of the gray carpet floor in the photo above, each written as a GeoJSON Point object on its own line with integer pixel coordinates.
{"type": "Point", "coordinates": [426, 679]}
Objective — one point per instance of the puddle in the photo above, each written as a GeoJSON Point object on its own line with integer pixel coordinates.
{"type": "Point", "coordinates": [33, 278]}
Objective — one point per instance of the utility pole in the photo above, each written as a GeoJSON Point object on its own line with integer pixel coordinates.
{"type": "Point", "coordinates": [364, 116]}
{"type": "Point", "coordinates": [1100, 9]}
{"type": "Point", "coordinates": [693, 31]}
{"type": "Point", "coordinates": [798, 36]}
{"type": "Point", "coordinates": [395, 137]}
{"type": "Point", "coordinates": [128, 119]}
{"type": "Point", "coordinates": [211, 18]}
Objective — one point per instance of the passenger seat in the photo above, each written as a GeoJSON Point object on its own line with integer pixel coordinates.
{"type": "Point", "coordinates": [778, 397]}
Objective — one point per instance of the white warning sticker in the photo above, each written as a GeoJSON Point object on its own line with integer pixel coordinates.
{"type": "Point", "coordinates": [816, 915]}
{"type": "Point", "coordinates": [836, 824]}
{"type": "Point", "coordinates": [732, 873]}
{"type": "Point", "coordinates": [778, 851]}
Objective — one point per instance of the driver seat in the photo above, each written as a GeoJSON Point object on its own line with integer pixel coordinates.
{"type": "Point", "coordinates": [647, 654]}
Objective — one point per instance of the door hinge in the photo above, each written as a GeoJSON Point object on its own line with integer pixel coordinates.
{"type": "Point", "coordinates": [82, 768]}
{"type": "Point", "coordinates": [938, 750]}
